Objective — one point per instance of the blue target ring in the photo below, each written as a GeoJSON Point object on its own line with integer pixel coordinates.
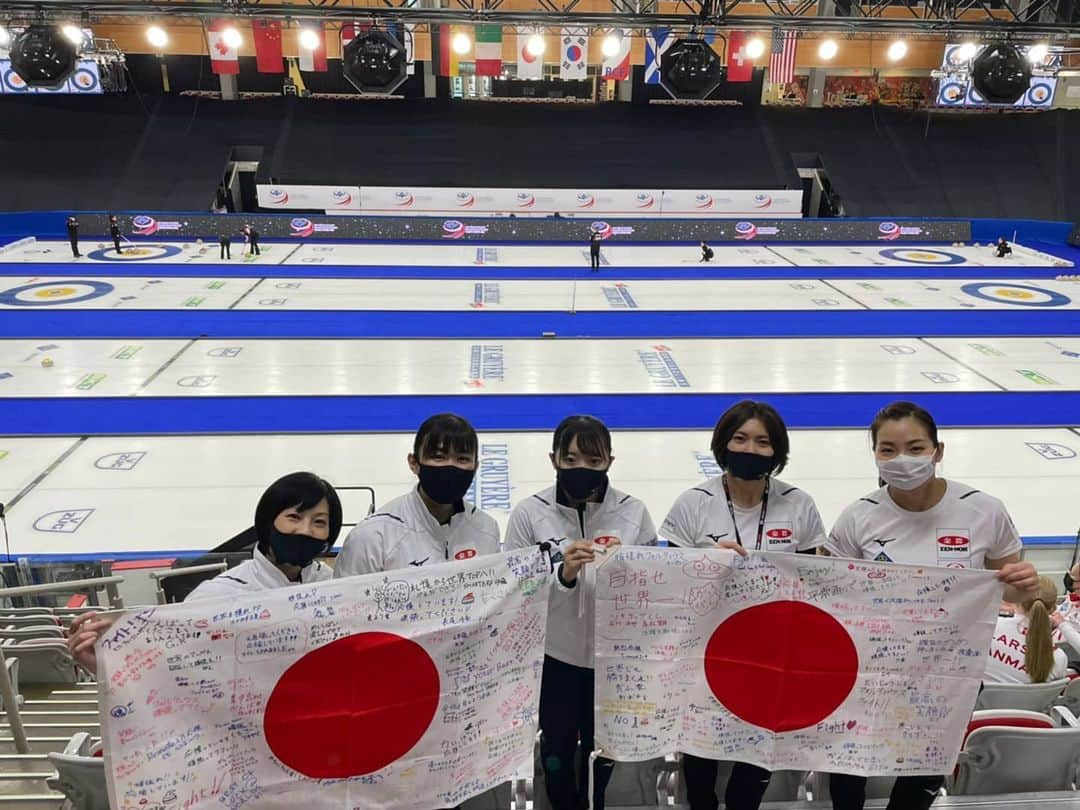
{"type": "Point", "coordinates": [96, 290]}
{"type": "Point", "coordinates": [1056, 299]}
{"type": "Point", "coordinates": [159, 252]}
{"type": "Point", "coordinates": [932, 256]}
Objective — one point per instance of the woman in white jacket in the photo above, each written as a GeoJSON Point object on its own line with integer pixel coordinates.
{"type": "Point", "coordinates": [581, 518]}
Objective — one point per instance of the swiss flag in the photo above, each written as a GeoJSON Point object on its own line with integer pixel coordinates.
{"type": "Point", "coordinates": [416, 689]}
{"type": "Point", "coordinates": [783, 660]}
{"type": "Point", "coordinates": [739, 66]}
{"type": "Point", "coordinates": [314, 61]}
{"type": "Point", "coordinates": [223, 59]}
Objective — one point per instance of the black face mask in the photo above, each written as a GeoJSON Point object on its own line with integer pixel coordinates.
{"type": "Point", "coordinates": [445, 484]}
{"type": "Point", "coordinates": [579, 483]}
{"type": "Point", "coordinates": [748, 466]}
{"type": "Point", "coordinates": [295, 549]}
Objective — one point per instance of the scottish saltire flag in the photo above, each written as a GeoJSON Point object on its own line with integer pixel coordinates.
{"type": "Point", "coordinates": [657, 40]}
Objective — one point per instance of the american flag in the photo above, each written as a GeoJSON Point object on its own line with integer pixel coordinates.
{"type": "Point", "coordinates": [782, 58]}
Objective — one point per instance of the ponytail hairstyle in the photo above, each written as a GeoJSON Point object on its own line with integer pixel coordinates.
{"type": "Point", "coordinates": [1039, 655]}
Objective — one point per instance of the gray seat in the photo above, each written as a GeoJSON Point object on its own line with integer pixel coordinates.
{"type": "Point", "coordinates": [44, 661]}
{"type": "Point", "coordinates": [80, 776]}
{"type": "Point", "coordinates": [1033, 697]}
{"type": "Point", "coordinates": [1004, 759]}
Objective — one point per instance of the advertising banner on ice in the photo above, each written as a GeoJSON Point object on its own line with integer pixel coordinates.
{"type": "Point", "coordinates": [408, 689]}
{"type": "Point", "coordinates": [789, 661]}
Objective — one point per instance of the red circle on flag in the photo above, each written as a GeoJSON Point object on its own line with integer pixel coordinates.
{"type": "Point", "coordinates": [352, 706]}
{"type": "Point", "coordinates": [526, 56]}
{"type": "Point", "coordinates": [781, 666]}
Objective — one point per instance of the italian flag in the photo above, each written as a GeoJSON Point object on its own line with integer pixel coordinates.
{"type": "Point", "coordinates": [488, 50]}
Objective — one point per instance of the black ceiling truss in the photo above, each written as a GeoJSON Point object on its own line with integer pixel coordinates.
{"type": "Point", "coordinates": [984, 18]}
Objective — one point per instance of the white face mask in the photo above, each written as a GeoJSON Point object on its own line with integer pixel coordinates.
{"type": "Point", "coordinates": [906, 472]}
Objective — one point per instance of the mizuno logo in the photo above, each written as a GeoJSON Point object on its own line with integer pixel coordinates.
{"type": "Point", "coordinates": [717, 537]}
{"type": "Point", "coordinates": [884, 542]}
{"type": "Point", "coordinates": [419, 562]}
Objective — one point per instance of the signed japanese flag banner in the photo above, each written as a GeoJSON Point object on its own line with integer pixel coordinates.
{"type": "Point", "coordinates": [412, 689]}
{"type": "Point", "coordinates": [789, 661]}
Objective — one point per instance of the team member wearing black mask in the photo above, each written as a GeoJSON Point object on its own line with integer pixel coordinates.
{"type": "Point", "coordinates": [297, 519]}
{"type": "Point", "coordinates": [742, 509]}
{"type": "Point", "coordinates": [581, 517]}
{"type": "Point", "coordinates": [432, 523]}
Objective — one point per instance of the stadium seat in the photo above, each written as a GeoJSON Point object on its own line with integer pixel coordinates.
{"type": "Point", "coordinates": [1013, 759]}
{"type": "Point", "coordinates": [26, 633]}
{"type": "Point", "coordinates": [1034, 697]}
{"type": "Point", "coordinates": [44, 661]}
{"type": "Point", "coordinates": [80, 776]}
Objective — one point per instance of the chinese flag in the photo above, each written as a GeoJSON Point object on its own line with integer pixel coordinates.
{"type": "Point", "coordinates": [267, 36]}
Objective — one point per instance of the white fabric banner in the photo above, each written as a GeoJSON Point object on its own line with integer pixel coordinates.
{"type": "Point", "coordinates": [539, 202]}
{"type": "Point", "coordinates": [771, 204]}
{"type": "Point", "coordinates": [410, 689]}
{"type": "Point", "coordinates": [789, 661]}
{"type": "Point", "coordinates": [309, 197]}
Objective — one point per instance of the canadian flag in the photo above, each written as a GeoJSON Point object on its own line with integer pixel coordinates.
{"type": "Point", "coordinates": [413, 689]}
{"type": "Point", "coordinates": [789, 661]}
{"type": "Point", "coordinates": [223, 59]}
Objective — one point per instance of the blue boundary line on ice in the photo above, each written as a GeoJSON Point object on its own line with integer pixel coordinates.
{"type": "Point", "coordinates": [483, 272]}
{"type": "Point", "coordinates": [57, 323]}
{"type": "Point", "coordinates": [40, 416]}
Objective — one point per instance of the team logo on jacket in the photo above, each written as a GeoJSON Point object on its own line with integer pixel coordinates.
{"type": "Point", "coordinates": [953, 546]}
{"type": "Point", "coordinates": [465, 554]}
{"type": "Point", "coordinates": [779, 536]}
{"type": "Point", "coordinates": [605, 540]}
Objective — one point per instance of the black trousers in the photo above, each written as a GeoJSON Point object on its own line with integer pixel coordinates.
{"type": "Point", "coordinates": [909, 792]}
{"type": "Point", "coordinates": [225, 249]}
{"type": "Point", "coordinates": [74, 246]}
{"type": "Point", "coordinates": [594, 258]}
{"type": "Point", "coordinates": [745, 788]}
{"type": "Point", "coordinates": [116, 243]}
{"type": "Point", "coordinates": [567, 697]}
{"type": "Point", "coordinates": [255, 247]}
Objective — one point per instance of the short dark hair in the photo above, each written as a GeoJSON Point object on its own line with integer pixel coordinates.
{"type": "Point", "coordinates": [298, 490]}
{"type": "Point", "coordinates": [895, 411]}
{"type": "Point", "coordinates": [445, 432]}
{"type": "Point", "coordinates": [738, 415]}
{"type": "Point", "coordinates": [593, 437]}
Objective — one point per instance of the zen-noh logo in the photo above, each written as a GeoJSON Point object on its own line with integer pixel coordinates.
{"type": "Point", "coordinates": [63, 521]}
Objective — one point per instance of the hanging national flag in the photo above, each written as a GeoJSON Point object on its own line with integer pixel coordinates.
{"type": "Point", "coordinates": [488, 50]}
{"type": "Point", "coordinates": [224, 61]}
{"type": "Point", "coordinates": [314, 61]}
{"type": "Point", "coordinates": [574, 58]}
{"type": "Point", "coordinates": [267, 37]}
{"type": "Point", "coordinates": [657, 40]}
{"type": "Point", "coordinates": [448, 57]}
{"type": "Point", "coordinates": [739, 66]}
{"type": "Point", "coordinates": [351, 30]}
{"type": "Point", "coordinates": [416, 688]}
{"type": "Point", "coordinates": [529, 66]}
{"type": "Point", "coordinates": [787, 661]}
{"type": "Point", "coordinates": [782, 58]}
{"type": "Point", "coordinates": [617, 67]}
